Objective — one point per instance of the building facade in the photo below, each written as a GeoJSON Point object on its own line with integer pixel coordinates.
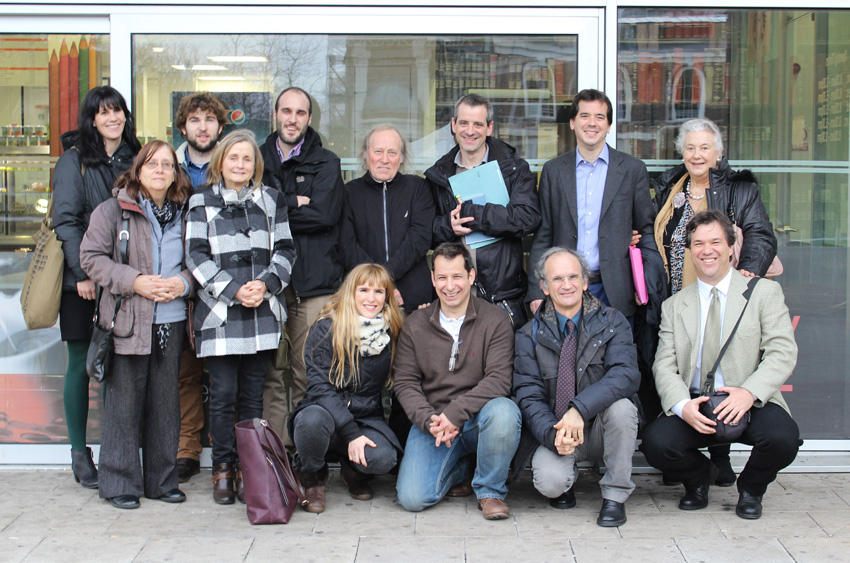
{"type": "Point", "coordinates": [774, 75]}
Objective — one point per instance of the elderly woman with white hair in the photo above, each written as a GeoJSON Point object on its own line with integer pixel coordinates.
{"type": "Point", "coordinates": [705, 181]}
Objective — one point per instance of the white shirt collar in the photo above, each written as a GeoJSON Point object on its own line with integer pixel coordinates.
{"type": "Point", "coordinates": [722, 286]}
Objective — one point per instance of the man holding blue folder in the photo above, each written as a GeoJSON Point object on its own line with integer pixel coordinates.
{"type": "Point", "coordinates": [498, 264]}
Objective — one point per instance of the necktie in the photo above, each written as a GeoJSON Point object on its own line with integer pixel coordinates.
{"type": "Point", "coordinates": [710, 338]}
{"type": "Point", "coordinates": [566, 390]}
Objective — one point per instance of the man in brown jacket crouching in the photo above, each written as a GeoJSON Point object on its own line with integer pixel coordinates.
{"type": "Point", "coordinates": [452, 372]}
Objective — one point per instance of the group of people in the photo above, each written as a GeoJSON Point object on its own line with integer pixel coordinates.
{"type": "Point", "coordinates": [234, 246]}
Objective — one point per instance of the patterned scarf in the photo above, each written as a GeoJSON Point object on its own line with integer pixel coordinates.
{"type": "Point", "coordinates": [165, 213]}
{"type": "Point", "coordinates": [374, 335]}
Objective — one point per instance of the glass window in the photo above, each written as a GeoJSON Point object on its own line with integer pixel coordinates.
{"type": "Point", "coordinates": [43, 80]}
{"type": "Point", "coordinates": [360, 81]}
{"type": "Point", "coordinates": [777, 83]}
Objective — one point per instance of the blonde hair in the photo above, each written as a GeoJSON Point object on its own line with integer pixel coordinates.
{"type": "Point", "coordinates": [341, 310]}
{"type": "Point", "coordinates": [225, 145]}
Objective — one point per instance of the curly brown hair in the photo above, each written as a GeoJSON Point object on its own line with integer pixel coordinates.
{"type": "Point", "coordinates": [199, 101]}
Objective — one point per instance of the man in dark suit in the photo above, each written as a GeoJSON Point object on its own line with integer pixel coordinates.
{"type": "Point", "coordinates": [758, 360]}
{"type": "Point", "coordinates": [592, 199]}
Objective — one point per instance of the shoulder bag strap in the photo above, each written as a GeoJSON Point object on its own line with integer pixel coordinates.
{"type": "Point", "coordinates": [268, 440]}
{"type": "Point", "coordinates": [708, 387]}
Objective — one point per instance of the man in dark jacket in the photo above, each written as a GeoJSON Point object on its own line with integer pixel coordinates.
{"type": "Point", "coordinates": [592, 199]}
{"type": "Point", "coordinates": [575, 375]}
{"type": "Point", "coordinates": [452, 374]}
{"type": "Point", "coordinates": [499, 266]}
{"type": "Point", "coordinates": [311, 180]}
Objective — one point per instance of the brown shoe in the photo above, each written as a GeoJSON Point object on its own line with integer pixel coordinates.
{"type": "Point", "coordinates": [222, 478]}
{"type": "Point", "coordinates": [239, 486]}
{"type": "Point", "coordinates": [462, 490]}
{"type": "Point", "coordinates": [493, 508]}
{"type": "Point", "coordinates": [358, 486]}
{"type": "Point", "coordinates": [314, 490]}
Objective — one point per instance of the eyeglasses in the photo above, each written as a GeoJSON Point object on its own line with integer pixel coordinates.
{"type": "Point", "coordinates": [453, 357]}
{"type": "Point", "coordinates": [561, 280]}
{"type": "Point", "coordinates": [153, 165]}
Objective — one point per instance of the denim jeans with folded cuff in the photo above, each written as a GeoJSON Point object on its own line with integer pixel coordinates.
{"type": "Point", "coordinates": [428, 472]}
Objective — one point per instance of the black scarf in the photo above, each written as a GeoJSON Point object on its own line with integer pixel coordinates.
{"type": "Point", "coordinates": [165, 213]}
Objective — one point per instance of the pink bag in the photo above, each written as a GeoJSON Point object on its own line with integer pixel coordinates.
{"type": "Point", "coordinates": [272, 490]}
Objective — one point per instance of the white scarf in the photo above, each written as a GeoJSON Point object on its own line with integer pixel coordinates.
{"type": "Point", "coordinates": [374, 335]}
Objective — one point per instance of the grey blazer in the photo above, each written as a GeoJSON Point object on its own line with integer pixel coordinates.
{"type": "Point", "coordinates": [760, 357]}
{"type": "Point", "coordinates": [626, 206]}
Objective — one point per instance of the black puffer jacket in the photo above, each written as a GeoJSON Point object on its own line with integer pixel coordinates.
{"type": "Point", "coordinates": [759, 246]}
{"type": "Point", "coordinates": [75, 196]}
{"type": "Point", "coordinates": [350, 407]}
{"type": "Point", "coordinates": [499, 273]}
{"type": "Point", "coordinates": [314, 173]}
{"type": "Point", "coordinates": [389, 223]}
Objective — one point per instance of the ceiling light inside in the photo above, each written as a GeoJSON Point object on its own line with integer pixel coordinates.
{"type": "Point", "coordinates": [158, 49]}
{"type": "Point", "coordinates": [239, 59]}
{"type": "Point", "coordinates": [208, 67]}
{"type": "Point", "coordinates": [221, 78]}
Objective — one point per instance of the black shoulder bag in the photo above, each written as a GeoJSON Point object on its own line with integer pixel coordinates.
{"type": "Point", "coordinates": [99, 356]}
{"type": "Point", "coordinates": [732, 431]}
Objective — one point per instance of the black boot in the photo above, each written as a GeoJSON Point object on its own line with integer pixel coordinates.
{"type": "Point", "coordinates": [83, 467]}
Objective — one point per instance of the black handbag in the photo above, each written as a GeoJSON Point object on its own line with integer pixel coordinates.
{"type": "Point", "coordinates": [732, 431]}
{"type": "Point", "coordinates": [99, 355]}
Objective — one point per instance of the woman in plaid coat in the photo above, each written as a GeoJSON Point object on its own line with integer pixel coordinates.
{"type": "Point", "coordinates": [239, 248]}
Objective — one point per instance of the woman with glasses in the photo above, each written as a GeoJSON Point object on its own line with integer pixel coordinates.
{"type": "Point", "coordinates": [141, 403]}
{"type": "Point", "coordinates": [348, 354]}
{"type": "Point", "coordinates": [96, 153]}
{"type": "Point", "coordinates": [240, 250]}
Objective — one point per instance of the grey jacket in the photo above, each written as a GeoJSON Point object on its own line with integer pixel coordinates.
{"type": "Point", "coordinates": [100, 258]}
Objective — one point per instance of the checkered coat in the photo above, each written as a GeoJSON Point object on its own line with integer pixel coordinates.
{"type": "Point", "coordinates": [228, 245]}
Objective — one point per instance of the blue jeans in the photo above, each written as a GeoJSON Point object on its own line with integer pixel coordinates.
{"type": "Point", "coordinates": [427, 472]}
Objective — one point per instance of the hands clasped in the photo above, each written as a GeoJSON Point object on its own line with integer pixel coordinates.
{"type": "Point", "coordinates": [443, 430]}
{"type": "Point", "coordinates": [730, 410]}
{"type": "Point", "coordinates": [570, 433]}
{"type": "Point", "coordinates": [158, 289]}
{"type": "Point", "coordinates": [251, 294]}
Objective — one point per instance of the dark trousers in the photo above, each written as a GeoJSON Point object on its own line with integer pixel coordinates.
{"type": "Point", "coordinates": [672, 445]}
{"type": "Point", "coordinates": [315, 435]}
{"type": "Point", "coordinates": [141, 405]}
{"type": "Point", "coordinates": [231, 376]}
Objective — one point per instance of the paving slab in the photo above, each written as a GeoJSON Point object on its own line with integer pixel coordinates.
{"type": "Point", "coordinates": [772, 524]}
{"type": "Point", "coordinates": [684, 524]}
{"type": "Point", "coordinates": [540, 550]}
{"type": "Point", "coordinates": [833, 522]}
{"type": "Point", "coordinates": [564, 524]}
{"type": "Point", "coordinates": [415, 550]}
{"type": "Point", "coordinates": [210, 549]}
{"type": "Point", "coordinates": [446, 524]}
{"type": "Point", "coordinates": [15, 547]}
{"type": "Point", "coordinates": [75, 548]}
{"type": "Point", "coordinates": [767, 550]}
{"type": "Point", "coordinates": [304, 550]}
{"type": "Point", "coordinates": [634, 551]}
{"type": "Point", "coordinates": [817, 550]}
{"type": "Point", "coordinates": [365, 524]}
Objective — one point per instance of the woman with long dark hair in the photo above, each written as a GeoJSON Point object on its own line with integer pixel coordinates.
{"type": "Point", "coordinates": [102, 147]}
{"type": "Point", "coordinates": [141, 405]}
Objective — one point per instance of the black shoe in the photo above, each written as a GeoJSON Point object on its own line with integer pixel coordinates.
{"type": "Point", "coordinates": [669, 481]}
{"type": "Point", "coordinates": [83, 467]}
{"type": "Point", "coordinates": [125, 501]}
{"type": "Point", "coordinates": [696, 499]}
{"type": "Point", "coordinates": [726, 476]}
{"type": "Point", "coordinates": [613, 514]}
{"type": "Point", "coordinates": [174, 495]}
{"type": "Point", "coordinates": [565, 501]}
{"type": "Point", "coordinates": [749, 506]}
{"type": "Point", "coordinates": [187, 467]}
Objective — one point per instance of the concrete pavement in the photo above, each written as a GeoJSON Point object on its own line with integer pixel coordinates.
{"type": "Point", "coordinates": [46, 516]}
